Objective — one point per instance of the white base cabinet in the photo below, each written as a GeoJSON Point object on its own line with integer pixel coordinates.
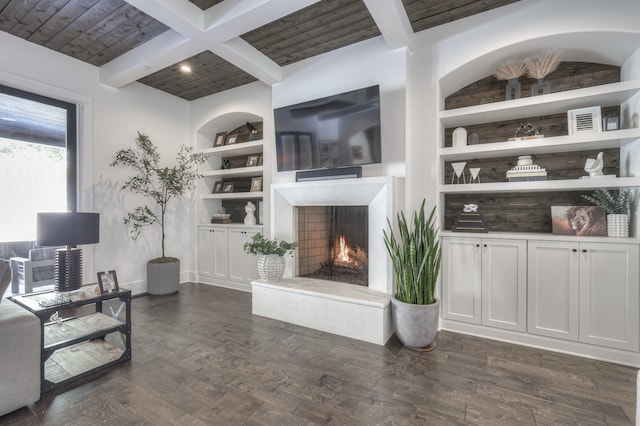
{"type": "Point", "coordinates": [221, 259]}
{"type": "Point", "coordinates": [586, 292]}
{"type": "Point", "coordinates": [573, 294]}
{"type": "Point", "coordinates": [484, 282]}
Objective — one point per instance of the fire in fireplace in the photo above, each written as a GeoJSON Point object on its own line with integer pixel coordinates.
{"type": "Point", "coordinates": [333, 243]}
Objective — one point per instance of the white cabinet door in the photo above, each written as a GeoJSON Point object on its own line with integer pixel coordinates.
{"type": "Point", "coordinates": [243, 267]}
{"type": "Point", "coordinates": [461, 278]}
{"type": "Point", "coordinates": [220, 253]}
{"type": "Point", "coordinates": [553, 288]}
{"type": "Point", "coordinates": [205, 252]}
{"type": "Point", "coordinates": [212, 252]}
{"type": "Point", "coordinates": [609, 295]}
{"type": "Point", "coordinates": [504, 284]}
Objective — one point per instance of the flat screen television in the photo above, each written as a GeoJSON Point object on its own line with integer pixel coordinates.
{"type": "Point", "coordinates": [336, 131]}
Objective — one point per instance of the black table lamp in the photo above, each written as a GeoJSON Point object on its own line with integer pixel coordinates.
{"type": "Point", "coordinates": [68, 229]}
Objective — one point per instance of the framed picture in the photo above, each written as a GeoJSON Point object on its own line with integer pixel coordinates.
{"type": "Point", "coordinates": [579, 220]}
{"type": "Point", "coordinates": [108, 282]}
{"type": "Point", "coordinates": [227, 187]}
{"type": "Point", "coordinates": [252, 160]}
{"type": "Point", "coordinates": [231, 139]}
{"type": "Point", "coordinates": [256, 184]}
{"type": "Point", "coordinates": [217, 187]}
{"type": "Point", "coordinates": [260, 161]}
{"type": "Point", "coordinates": [220, 138]}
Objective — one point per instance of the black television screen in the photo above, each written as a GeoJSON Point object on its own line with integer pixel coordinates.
{"type": "Point", "coordinates": [336, 131]}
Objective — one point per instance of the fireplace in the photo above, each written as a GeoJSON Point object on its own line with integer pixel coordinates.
{"type": "Point", "coordinates": [335, 304]}
{"type": "Point", "coordinates": [333, 243]}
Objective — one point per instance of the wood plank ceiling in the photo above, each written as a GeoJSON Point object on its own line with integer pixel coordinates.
{"type": "Point", "coordinates": [101, 31]}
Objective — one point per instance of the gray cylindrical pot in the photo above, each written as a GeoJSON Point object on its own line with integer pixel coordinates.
{"type": "Point", "coordinates": [415, 325]}
{"type": "Point", "coordinates": [163, 278]}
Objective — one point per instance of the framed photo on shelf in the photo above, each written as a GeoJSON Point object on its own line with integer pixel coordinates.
{"type": "Point", "coordinates": [252, 160]}
{"type": "Point", "coordinates": [256, 184]}
{"type": "Point", "coordinates": [227, 187]}
{"type": "Point", "coordinates": [217, 187]}
{"type": "Point", "coordinates": [231, 139]}
{"type": "Point", "coordinates": [220, 138]}
{"type": "Point", "coordinates": [260, 161]}
{"type": "Point", "coordinates": [108, 282]}
{"type": "Point", "coordinates": [579, 220]}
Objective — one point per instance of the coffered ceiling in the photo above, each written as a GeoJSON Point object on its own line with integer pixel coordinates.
{"type": "Point", "coordinates": [226, 43]}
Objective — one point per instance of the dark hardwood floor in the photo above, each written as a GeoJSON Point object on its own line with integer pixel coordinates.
{"type": "Point", "coordinates": [201, 358]}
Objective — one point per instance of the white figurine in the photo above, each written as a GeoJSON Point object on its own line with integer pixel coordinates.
{"type": "Point", "coordinates": [594, 167]}
{"type": "Point", "coordinates": [470, 208]}
{"type": "Point", "coordinates": [250, 218]}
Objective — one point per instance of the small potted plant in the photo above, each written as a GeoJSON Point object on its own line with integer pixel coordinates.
{"type": "Point", "coordinates": [616, 204]}
{"type": "Point", "coordinates": [416, 256]}
{"type": "Point", "coordinates": [270, 255]}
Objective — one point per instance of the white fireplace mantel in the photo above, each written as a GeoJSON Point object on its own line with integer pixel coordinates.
{"type": "Point", "coordinates": [344, 309]}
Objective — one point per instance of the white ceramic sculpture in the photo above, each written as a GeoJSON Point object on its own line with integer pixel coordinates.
{"type": "Point", "coordinates": [594, 166]}
{"type": "Point", "coordinates": [250, 218]}
{"type": "Point", "coordinates": [458, 168]}
{"type": "Point", "coordinates": [459, 137]}
{"type": "Point", "coordinates": [475, 178]}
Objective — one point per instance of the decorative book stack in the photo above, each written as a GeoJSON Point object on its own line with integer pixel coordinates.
{"type": "Point", "coordinates": [472, 221]}
{"type": "Point", "coordinates": [525, 170]}
{"type": "Point", "coordinates": [221, 218]}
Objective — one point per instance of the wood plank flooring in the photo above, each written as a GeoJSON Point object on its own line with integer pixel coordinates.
{"type": "Point", "coordinates": [201, 358]}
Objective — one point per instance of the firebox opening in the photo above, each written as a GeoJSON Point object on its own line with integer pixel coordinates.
{"type": "Point", "coordinates": [333, 243]}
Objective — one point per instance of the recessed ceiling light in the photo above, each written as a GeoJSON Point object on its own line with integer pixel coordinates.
{"type": "Point", "coordinates": [185, 69]}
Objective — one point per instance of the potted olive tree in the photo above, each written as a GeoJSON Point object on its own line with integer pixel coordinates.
{"type": "Point", "coordinates": [159, 184]}
{"type": "Point", "coordinates": [270, 255]}
{"type": "Point", "coordinates": [616, 204]}
{"type": "Point", "coordinates": [416, 255]}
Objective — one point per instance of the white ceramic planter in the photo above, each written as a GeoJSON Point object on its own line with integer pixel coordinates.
{"type": "Point", "coordinates": [618, 225]}
{"type": "Point", "coordinates": [415, 325]}
{"type": "Point", "coordinates": [271, 267]}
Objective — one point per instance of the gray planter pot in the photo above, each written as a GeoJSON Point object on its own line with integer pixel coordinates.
{"type": "Point", "coordinates": [163, 278]}
{"type": "Point", "coordinates": [415, 325]}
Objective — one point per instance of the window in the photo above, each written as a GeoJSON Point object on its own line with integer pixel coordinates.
{"type": "Point", "coordinates": [38, 161]}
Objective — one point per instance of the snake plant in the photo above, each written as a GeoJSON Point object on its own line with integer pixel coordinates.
{"type": "Point", "coordinates": [416, 256]}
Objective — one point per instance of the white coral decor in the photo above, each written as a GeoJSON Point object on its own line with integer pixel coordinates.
{"type": "Point", "coordinates": [542, 64]}
{"type": "Point", "coordinates": [511, 69]}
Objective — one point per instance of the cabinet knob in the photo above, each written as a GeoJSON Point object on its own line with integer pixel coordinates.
{"type": "Point", "coordinates": [584, 250]}
{"type": "Point", "coordinates": [485, 245]}
{"type": "Point", "coordinates": [574, 250]}
{"type": "Point", "coordinates": [477, 245]}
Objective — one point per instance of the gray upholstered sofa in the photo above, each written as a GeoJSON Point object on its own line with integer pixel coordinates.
{"type": "Point", "coordinates": [20, 335]}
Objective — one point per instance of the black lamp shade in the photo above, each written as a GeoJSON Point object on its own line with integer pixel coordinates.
{"type": "Point", "coordinates": [67, 229]}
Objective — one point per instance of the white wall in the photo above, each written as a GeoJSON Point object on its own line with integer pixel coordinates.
{"type": "Point", "coordinates": [109, 121]}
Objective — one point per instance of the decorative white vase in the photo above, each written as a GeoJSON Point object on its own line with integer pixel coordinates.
{"type": "Point", "coordinates": [618, 225]}
{"type": "Point", "coordinates": [270, 267]}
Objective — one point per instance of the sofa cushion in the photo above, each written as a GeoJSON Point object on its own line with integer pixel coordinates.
{"type": "Point", "coordinates": [5, 277]}
{"type": "Point", "coordinates": [19, 358]}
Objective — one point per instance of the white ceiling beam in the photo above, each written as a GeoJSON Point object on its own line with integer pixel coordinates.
{"type": "Point", "coordinates": [156, 54]}
{"type": "Point", "coordinates": [237, 17]}
{"type": "Point", "coordinates": [392, 20]}
{"type": "Point", "coordinates": [216, 29]}
{"type": "Point", "coordinates": [181, 16]}
{"type": "Point", "coordinates": [250, 60]}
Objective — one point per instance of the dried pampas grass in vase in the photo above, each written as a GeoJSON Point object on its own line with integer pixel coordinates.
{"type": "Point", "coordinates": [538, 67]}
{"type": "Point", "coordinates": [511, 71]}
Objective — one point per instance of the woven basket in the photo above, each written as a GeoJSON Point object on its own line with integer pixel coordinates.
{"type": "Point", "coordinates": [270, 267]}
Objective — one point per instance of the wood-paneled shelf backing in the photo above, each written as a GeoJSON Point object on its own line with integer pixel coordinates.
{"type": "Point", "coordinates": [559, 166]}
{"type": "Point", "coordinates": [490, 89]}
{"type": "Point", "coordinates": [513, 212]}
{"type": "Point", "coordinates": [526, 206]}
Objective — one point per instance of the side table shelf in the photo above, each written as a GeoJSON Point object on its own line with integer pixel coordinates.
{"type": "Point", "coordinates": [77, 347]}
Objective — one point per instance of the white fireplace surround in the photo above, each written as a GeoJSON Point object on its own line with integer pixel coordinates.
{"type": "Point", "coordinates": [343, 309]}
